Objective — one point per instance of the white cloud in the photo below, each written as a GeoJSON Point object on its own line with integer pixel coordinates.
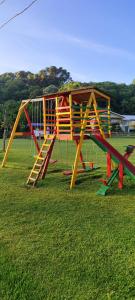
{"type": "Point", "coordinates": [59, 36]}
{"type": "Point", "coordinates": [82, 43]}
{"type": "Point", "coordinates": [99, 48]}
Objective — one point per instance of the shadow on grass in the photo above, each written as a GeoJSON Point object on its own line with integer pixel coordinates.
{"type": "Point", "coordinates": [55, 171]}
{"type": "Point", "coordinates": [17, 167]}
{"type": "Point", "coordinates": [88, 178]}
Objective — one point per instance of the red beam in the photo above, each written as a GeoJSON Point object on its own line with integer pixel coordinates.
{"type": "Point", "coordinates": [108, 164]}
{"type": "Point", "coordinates": [63, 107]}
{"type": "Point", "coordinates": [31, 130]}
{"type": "Point", "coordinates": [121, 175]}
{"type": "Point", "coordinates": [26, 133]}
{"type": "Point", "coordinates": [22, 133]}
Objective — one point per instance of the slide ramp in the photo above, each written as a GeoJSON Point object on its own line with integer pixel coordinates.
{"type": "Point", "coordinates": [115, 154]}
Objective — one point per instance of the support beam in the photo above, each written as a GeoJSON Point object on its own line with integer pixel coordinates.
{"type": "Point", "coordinates": [57, 117]}
{"type": "Point", "coordinates": [121, 175]}
{"type": "Point", "coordinates": [108, 158]}
{"type": "Point", "coordinates": [44, 116]}
{"type": "Point", "coordinates": [13, 133]}
{"type": "Point", "coordinates": [109, 118]}
{"type": "Point", "coordinates": [71, 116]}
{"type": "Point", "coordinates": [12, 136]}
{"type": "Point", "coordinates": [97, 115]}
{"type": "Point", "coordinates": [81, 155]}
{"type": "Point", "coordinates": [24, 105]}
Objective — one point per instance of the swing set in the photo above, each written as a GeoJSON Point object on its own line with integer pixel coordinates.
{"type": "Point", "coordinates": [76, 115]}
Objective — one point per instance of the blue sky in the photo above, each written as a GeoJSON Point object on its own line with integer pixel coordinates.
{"type": "Point", "coordinates": [93, 39]}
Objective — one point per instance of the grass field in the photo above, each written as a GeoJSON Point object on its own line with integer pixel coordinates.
{"type": "Point", "coordinates": [61, 244]}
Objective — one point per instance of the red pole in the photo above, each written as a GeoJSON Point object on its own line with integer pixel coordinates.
{"type": "Point", "coordinates": [31, 130]}
{"type": "Point", "coordinates": [108, 157]}
{"type": "Point", "coordinates": [121, 171]}
{"type": "Point", "coordinates": [121, 174]}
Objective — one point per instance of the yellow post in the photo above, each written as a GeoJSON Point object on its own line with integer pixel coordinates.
{"type": "Point", "coordinates": [57, 117]}
{"type": "Point", "coordinates": [109, 118]}
{"type": "Point", "coordinates": [97, 115]}
{"type": "Point", "coordinates": [81, 114]}
{"type": "Point", "coordinates": [71, 116]}
{"type": "Point", "coordinates": [79, 147]}
{"type": "Point", "coordinates": [44, 116]}
{"type": "Point", "coordinates": [22, 106]}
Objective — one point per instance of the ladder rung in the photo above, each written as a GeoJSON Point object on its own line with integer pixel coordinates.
{"type": "Point", "coordinates": [36, 172]}
{"type": "Point", "coordinates": [31, 179]}
{"type": "Point", "coordinates": [87, 162]}
{"type": "Point", "coordinates": [41, 158]}
{"type": "Point", "coordinates": [50, 138]}
{"type": "Point", "coordinates": [38, 165]}
{"type": "Point", "coordinates": [43, 151]}
{"type": "Point", "coordinates": [46, 145]}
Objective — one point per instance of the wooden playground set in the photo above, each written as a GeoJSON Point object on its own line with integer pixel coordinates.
{"type": "Point", "coordinates": [76, 115]}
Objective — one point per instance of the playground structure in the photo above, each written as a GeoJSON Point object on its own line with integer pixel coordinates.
{"type": "Point", "coordinates": [75, 115]}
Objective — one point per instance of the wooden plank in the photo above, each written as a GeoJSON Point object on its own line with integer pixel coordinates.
{"type": "Point", "coordinates": [62, 108]}
{"type": "Point", "coordinates": [64, 125]}
{"type": "Point", "coordinates": [63, 113]}
{"type": "Point", "coordinates": [23, 134]}
{"type": "Point", "coordinates": [83, 91]}
{"type": "Point", "coordinates": [64, 130]}
{"type": "Point", "coordinates": [101, 94]}
{"type": "Point", "coordinates": [66, 137]}
{"type": "Point", "coordinates": [33, 100]}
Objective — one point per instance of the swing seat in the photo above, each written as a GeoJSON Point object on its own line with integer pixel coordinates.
{"type": "Point", "coordinates": [90, 163]}
{"type": "Point", "coordinates": [69, 172]}
{"type": "Point", "coordinates": [87, 169]}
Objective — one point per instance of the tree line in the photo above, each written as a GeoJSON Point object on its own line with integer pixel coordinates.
{"type": "Point", "coordinates": [122, 95]}
{"type": "Point", "coordinates": [23, 85]}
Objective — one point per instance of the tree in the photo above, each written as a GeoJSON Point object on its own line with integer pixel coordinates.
{"type": "Point", "coordinates": [71, 86]}
{"type": "Point", "coordinates": [53, 76]}
{"type": "Point", "coordinates": [128, 106]}
{"type": "Point", "coordinates": [24, 85]}
{"type": "Point", "coordinates": [133, 82]}
{"type": "Point", "coordinates": [34, 91]}
{"type": "Point", "coordinates": [50, 89]}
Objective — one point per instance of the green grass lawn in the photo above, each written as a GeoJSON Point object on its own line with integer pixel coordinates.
{"type": "Point", "coordinates": [62, 244]}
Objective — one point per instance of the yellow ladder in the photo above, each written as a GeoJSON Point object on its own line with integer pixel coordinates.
{"type": "Point", "coordinates": [41, 164]}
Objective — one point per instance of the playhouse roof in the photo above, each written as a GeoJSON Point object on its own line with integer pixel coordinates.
{"type": "Point", "coordinates": [78, 93]}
